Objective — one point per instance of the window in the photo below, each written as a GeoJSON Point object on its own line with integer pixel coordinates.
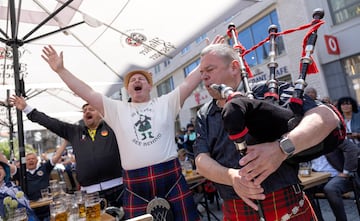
{"type": "Point", "coordinates": [185, 50]}
{"type": "Point", "coordinates": [352, 69]}
{"type": "Point", "coordinates": [200, 39]}
{"type": "Point", "coordinates": [344, 10]}
{"type": "Point", "coordinates": [165, 87]}
{"type": "Point", "coordinates": [167, 62]}
{"type": "Point", "coordinates": [191, 67]}
{"type": "Point", "coordinates": [157, 69]}
{"type": "Point", "coordinates": [255, 33]}
{"type": "Point", "coordinates": [352, 65]}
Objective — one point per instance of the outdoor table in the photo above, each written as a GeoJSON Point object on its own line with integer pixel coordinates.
{"type": "Point", "coordinates": [315, 178]}
{"type": "Point", "coordinates": [194, 180]}
{"type": "Point", "coordinates": [40, 203]}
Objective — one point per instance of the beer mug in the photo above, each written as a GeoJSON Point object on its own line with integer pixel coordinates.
{"type": "Point", "coordinates": [19, 215]}
{"type": "Point", "coordinates": [93, 206]}
{"type": "Point", "coordinates": [62, 187]}
{"type": "Point", "coordinates": [54, 190]}
{"type": "Point", "coordinates": [72, 207]}
{"type": "Point", "coordinates": [305, 169]}
{"type": "Point", "coordinates": [58, 210]}
{"type": "Point", "coordinates": [188, 168]}
{"type": "Point", "coordinates": [80, 200]}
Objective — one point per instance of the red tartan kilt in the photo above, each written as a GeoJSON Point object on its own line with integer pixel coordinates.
{"type": "Point", "coordinates": [275, 206]}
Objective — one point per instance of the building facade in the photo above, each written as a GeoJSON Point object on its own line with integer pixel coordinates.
{"type": "Point", "coordinates": [336, 53]}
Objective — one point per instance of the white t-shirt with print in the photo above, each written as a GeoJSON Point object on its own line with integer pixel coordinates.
{"type": "Point", "coordinates": [144, 131]}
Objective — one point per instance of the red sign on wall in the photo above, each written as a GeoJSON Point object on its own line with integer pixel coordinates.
{"type": "Point", "coordinates": [332, 45]}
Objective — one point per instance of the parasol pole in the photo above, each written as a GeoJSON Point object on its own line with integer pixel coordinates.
{"type": "Point", "coordinates": [14, 44]}
{"type": "Point", "coordinates": [11, 129]}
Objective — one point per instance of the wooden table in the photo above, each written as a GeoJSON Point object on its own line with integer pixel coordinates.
{"type": "Point", "coordinates": [40, 203]}
{"type": "Point", "coordinates": [194, 178]}
{"type": "Point", "coordinates": [316, 178]}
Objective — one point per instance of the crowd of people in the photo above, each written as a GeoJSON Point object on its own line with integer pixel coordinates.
{"type": "Point", "coordinates": [129, 153]}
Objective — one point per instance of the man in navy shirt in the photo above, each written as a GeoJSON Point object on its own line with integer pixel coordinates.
{"type": "Point", "coordinates": [38, 176]}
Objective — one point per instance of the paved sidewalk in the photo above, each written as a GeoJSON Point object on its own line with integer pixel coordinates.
{"type": "Point", "coordinates": [350, 207]}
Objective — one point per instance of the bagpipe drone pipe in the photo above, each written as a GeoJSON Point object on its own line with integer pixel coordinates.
{"type": "Point", "coordinates": [250, 121]}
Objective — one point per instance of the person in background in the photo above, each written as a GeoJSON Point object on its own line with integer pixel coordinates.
{"type": "Point", "coordinates": [182, 155]}
{"type": "Point", "coordinates": [67, 160]}
{"type": "Point", "coordinates": [189, 139]}
{"type": "Point", "coordinates": [263, 173]}
{"type": "Point", "coordinates": [342, 164]}
{"type": "Point", "coordinates": [148, 151]}
{"type": "Point", "coordinates": [98, 164]}
{"type": "Point", "coordinates": [38, 177]}
{"type": "Point", "coordinates": [348, 107]}
{"type": "Point", "coordinates": [311, 92]}
{"type": "Point", "coordinates": [179, 138]}
{"type": "Point", "coordinates": [326, 100]}
{"type": "Point", "coordinates": [9, 193]}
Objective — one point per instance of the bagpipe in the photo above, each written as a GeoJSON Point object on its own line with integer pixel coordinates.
{"type": "Point", "coordinates": [249, 121]}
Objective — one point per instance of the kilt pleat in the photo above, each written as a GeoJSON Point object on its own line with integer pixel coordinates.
{"type": "Point", "coordinates": [275, 206]}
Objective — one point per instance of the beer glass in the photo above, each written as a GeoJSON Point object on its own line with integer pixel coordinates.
{"type": "Point", "coordinates": [62, 187]}
{"type": "Point", "coordinates": [19, 215]}
{"type": "Point", "coordinates": [93, 206]}
{"type": "Point", "coordinates": [80, 200]}
{"type": "Point", "coordinates": [58, 210]}
{"type": "Point", "coordinates": [188, 168]}
{"type": "Point", "coordinates": [305, 169]}
{"type": "Point", "coordinates": [54, 190]}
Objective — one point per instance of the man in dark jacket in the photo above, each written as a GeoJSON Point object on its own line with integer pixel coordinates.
{"type": "Point", "coordinates": [98, 165]}
{"type": "Point", "coordinates": [342, 163]}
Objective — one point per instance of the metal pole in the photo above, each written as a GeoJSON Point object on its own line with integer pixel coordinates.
{"type": "Point", "coordinates": [14, 43]}
{"type": "Point", "coordinates": [11, 129]}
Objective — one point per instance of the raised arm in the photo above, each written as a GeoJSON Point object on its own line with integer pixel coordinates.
{"type": "Point", "coordinates": [5, 160]}
{"type": "Point", "coordinates": [193, 79]}
{"type": "Point", "coordinates": [59, 152]}
{"type": "Point", "coordinates": [78, 86]}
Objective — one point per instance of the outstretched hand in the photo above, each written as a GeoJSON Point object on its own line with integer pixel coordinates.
{"type": "Point", "coordinates": [217, 40]}
{"type": "Point", "coordinates": [18, 102]}
{"type": "Point", "coordinates": [54, 59]}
